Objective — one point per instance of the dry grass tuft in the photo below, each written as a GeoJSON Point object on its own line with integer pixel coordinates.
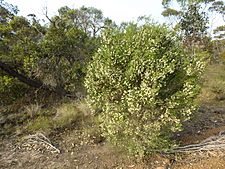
{"type": "Point", "coordinates": [63, 115]}
{"type": "Point", "coordinates": [213, 90]}
{"type": "Point", "coordinates": [66, 114]}
{"type": "Point", "coordinates": [41, 123]}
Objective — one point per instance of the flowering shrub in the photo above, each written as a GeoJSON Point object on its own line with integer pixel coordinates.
{"type": "Point", "coordinates": [144, 85]}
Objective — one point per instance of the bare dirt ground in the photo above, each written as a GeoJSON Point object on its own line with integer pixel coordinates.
{"type": "Point", "coordinates": [76, 151]}
{"type": "Point", "coordinates": [79, 150]}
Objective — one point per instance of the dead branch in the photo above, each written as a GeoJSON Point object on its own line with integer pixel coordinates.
{"type": "Point", "coordinates": [214, 143]}
{"type": "Point", "coordinates": [40, 138]}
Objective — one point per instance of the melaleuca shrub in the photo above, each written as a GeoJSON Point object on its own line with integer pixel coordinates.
{"type": "Point", "coordinates": [143, 85]}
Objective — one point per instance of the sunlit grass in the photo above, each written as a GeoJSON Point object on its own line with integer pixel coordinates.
{"type": "Point", "coordinates": [66, 114]}
{"type": "Point", "coordinates": [213, 89]}
{"type": "Point", "coordinates": [41, 123]}
{"type": "Point", "coordinates": [63, 115]}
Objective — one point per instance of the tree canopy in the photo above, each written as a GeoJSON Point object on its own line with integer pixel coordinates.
{"type": "Point", "coordinates": [50, 56]}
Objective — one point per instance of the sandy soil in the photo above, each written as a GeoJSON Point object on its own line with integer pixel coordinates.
{"type": "Point", "coordinates": [80, 151]}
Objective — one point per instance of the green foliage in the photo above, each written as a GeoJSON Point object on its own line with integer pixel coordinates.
{"type": "Point", "coordinates": [88, 19]}
{"type": "Point", "coordinates": [195, 12]}
{"type": "Point", "coordinates": [64, 53]}
{"type": "Point", "coordinates": [184, 3]}
{"type": "Point", "coordinates": [194, 23]}
{"type": "Point", "coordinates": [53, 56]}
{"type": "Point", "coordinates": [18, 45]}
{"type": "Point", "coordinates": [19, 42]}
{"type": "Point", "coordinates": [59, 117]}
{"type": "Point", "coordinates": [170, 12]}
{"type": "Point", "coordinates": [143, 85]}
{"type": "Point", "coordinates": [213, 88]}
{"type": "Point", "coordinates": [7, 11]}
{"type": "Point", "coordinates": [10, 89]}
{"type": "Point", "coordinates": [218, 7]}
{"type": "Point", "coordinates": [220, 32]}
{"type": "Point", "coordinates": [67, 113]}
{"type": "Point", "coordinates": [5, 82]}
{"type": "Point", "coordinates": [42, 123]}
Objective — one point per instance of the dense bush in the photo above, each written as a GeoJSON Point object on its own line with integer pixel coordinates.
{"type": "Point", "coordinates": [53, 56]}
{"type": "Point", "coordinates": [143, 85]}
{"type": "Point", "coordinates": [10, 89]}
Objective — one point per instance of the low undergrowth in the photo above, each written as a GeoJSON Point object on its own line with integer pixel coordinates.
{"type": "Point", "coordinates": [213, 86]}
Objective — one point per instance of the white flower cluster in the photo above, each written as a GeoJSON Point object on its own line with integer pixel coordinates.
{"type": "Point", "coordinates": [145, 84]}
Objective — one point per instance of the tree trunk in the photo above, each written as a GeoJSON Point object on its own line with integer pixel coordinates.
{"type": "Point", "coordinates": [30, 82]}
{"type": "Point", "coordinates": [10, 71]}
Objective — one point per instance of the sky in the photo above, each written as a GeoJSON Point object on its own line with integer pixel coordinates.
{"type": "Point", "coordinates": [117, 10]}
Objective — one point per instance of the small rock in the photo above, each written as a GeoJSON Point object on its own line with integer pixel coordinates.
{"type": "Point", "coordinates": [131, 166]}
{"type": "Point", "coordinates": [160, 167]}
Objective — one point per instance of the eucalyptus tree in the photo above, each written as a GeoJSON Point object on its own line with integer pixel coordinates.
{"type": "Point", "coordinates": [51, 56]}
{"type": "Point", "coordinates": [192, 21]}
{"type": "Point", "coordinates": [89, 19]}
{"type": "Point", "coordinates": [18, 40]}
{"type": "Point", "coordinates": [69, 43]}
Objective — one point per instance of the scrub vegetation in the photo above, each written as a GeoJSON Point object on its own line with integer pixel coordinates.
{"type": "Point", "coordinates": [106, 95]}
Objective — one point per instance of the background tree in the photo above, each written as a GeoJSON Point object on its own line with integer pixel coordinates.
{"type": "Point", "coordinates": [193, 25]}
{"type": "Point", "coordinates": [17, 40]}
{"type": "Point", "coordinates": [185, 3]}
{"type": "Point", "coordinates": [89, 19]}
{"type": "Point", "coordinates": [219, 8]}
{"type": "Point", "coordinates": [65, 51]}
{"type": "Point", "coordinates": [68, 45]}
{"type": "Point", "coordinates": [51, 56]}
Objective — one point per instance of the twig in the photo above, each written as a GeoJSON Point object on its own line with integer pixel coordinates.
{"type": "Point", "coordinates": [40, 138]}
{"type": "Point", "coordinates": [214, 143]}
{"type": "Point", "coordinates": [210, 144]}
